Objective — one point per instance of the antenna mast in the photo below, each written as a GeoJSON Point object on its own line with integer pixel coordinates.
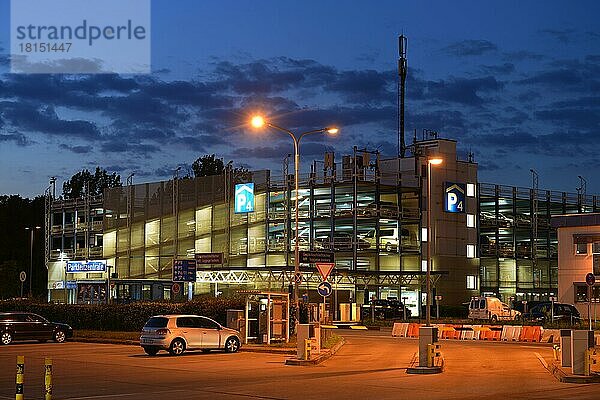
{"type": "Point", "coordinates": [402, 69]}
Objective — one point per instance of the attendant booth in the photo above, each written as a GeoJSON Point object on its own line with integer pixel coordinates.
{"type": "Point", "coordinates": [266, 317]}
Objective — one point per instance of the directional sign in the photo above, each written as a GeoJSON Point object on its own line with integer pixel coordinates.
{"type": "Point", "coordinates": [454, 197]}
{"type": "Point", "coordinates": [438, 298]}
{"type": "Point", "coordinates": [325, 269]}
{"type": "Point", "coordinates": [313, 257]}
{"type": "Point", "coordinates": [298, 277]}
{"type": "Point", "coordinates": [590, 279]}
{"type": "Point", "coordinates": [209, 258]}
{"type": "Point", "coordinates": [184, 271]}
{"type": "Point", "coordinates": [22, 276]}
{"type": "Point", "coordinates": [324, 289]}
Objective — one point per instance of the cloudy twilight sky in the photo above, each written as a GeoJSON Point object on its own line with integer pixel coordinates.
{"type": "Point", "coordinates": [517, 83]}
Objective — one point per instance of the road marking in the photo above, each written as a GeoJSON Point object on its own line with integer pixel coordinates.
{"type": "Point", "coordinates": [544, 363]}
{"type": "Point", "coordinates": [104, 396]}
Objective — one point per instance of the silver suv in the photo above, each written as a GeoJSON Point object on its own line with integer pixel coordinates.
{"type": "Point", "coordinates": [177, 333]}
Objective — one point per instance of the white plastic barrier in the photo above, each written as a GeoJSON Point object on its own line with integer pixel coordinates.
{"type": "Point", "coordinates": [400, 329]}
{"type": "Point", "coordinates": [511, 333]}
{"type": "Point", "coordinates": [471, 334]}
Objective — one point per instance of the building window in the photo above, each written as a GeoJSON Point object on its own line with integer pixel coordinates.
{"type": "Point", "coordinates": [470, 251]}
{"type": "Point", "coordinates": [470, 190]}
{"type": "Point", "coordinates": [470, 220]}
{"type": "Point", "coordinates": [581, 248]}
{"type": "Point", "coordinates": [471, 282]}
{"type": "Point", "coordinates": [424, 265]}
{"type": "Point", "coordinates": [423, 234]}
{"type": "Point", "coordinates": [581, 294]}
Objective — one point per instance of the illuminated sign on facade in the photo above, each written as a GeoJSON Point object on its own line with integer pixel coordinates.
{"type": "Point", "coordinates": [244, 198]}
{"type": "Point", "coordinates": [86, 266]}
{"type": "Point", "coordinates": [454, 197]}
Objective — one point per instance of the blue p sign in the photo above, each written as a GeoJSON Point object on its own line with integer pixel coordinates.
{"type": "Point", "coordinates": [244, 198]}
{"type": "Point", "coordinates": [454, 197]}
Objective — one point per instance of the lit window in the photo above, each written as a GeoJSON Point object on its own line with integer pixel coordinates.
{"type": "Point", "coordinates": [471, 282]}
{"type": "Point", "coordinates": [470, 190]}
{"type": "Point", "coordinates": [470, 221]}
{"type": "Point", "coordinates": [581, 248]}
{"type": "Point", "coordinates": [423, 234]}
{"type": "Point", "coordinates": [424, 265]}
{"type": "Point", "coordinates": [470, 251]}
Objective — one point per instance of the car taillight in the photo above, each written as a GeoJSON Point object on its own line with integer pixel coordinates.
{"type": "Point", "coordinates": [162, 332]}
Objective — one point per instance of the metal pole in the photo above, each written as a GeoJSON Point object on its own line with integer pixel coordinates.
{"type": "Point", "coordinates": [31, 262]}
{"type": "Point", "coordinates": [589, 306]}
{"type": "Point", "coordinates": [428, 270]}
{"type": "Point", "coordinates": [552, 310]}
{"type": "Point", "coordinates": [296, 218]}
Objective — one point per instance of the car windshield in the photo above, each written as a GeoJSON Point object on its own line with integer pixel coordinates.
{"type": "Point", "coordinates": [157, 322]}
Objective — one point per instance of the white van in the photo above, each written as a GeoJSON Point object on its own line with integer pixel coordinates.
{"type": "Point", "coordinates": [491, 309]}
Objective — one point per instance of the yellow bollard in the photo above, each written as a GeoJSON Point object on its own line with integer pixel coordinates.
{"type": "Point", "coordinates": [20, 377]}
{"type": "Point", "coordinates": [48, 378]}
{"type": "Point", "coordinates": [307, 348]}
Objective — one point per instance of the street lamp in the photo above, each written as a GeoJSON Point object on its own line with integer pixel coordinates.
{"type": "Point", "coordinates": [258, 122]}
{"type": "Point", "coordinates": [430, 161]}
{"type": "Point", "coordinates": [31, 229]}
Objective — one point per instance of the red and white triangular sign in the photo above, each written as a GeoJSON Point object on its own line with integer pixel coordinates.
{"type": "Point", "coordinates": [325, 269]}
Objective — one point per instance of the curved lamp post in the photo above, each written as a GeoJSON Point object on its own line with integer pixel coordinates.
{"type": "Point", "coordinates": [258, 122]}
{"type": "Point", "coordinates": [430, 161]}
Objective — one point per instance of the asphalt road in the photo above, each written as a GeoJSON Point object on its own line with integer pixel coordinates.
{"type": "Point", "coordinates": [371, 365]}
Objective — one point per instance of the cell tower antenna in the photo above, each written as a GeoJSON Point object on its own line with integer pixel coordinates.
{"type": "Point", "coordinates": [402, 70]}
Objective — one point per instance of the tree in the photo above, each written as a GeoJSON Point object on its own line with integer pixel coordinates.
{"type": "Point", "coordinates": [97, 182]}
{"type": "Point", "coordinates": [207, 166]}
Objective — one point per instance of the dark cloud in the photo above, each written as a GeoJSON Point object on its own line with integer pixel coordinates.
{"type": "Point", "coordinates": [76, 149]}
{"type": "Point", "coordinates": [561, 77]}
{"type": "Point", "coordinates": [45, 120]}
{"type": "Point", "coordinates": [504, 69]}
{"type": "Point", "coordinates": [470, 48]}
{"type": "Point", "coordinates": [572, 118]}
{"type": "Point", "coordinates": [364, 86]}
{"type": "Point", "coordinates": [462, 90]}
{"type": "Point", "coordinates": [17, 138]}
{"type": "Point", "coordinates": [488, 166]}
{"type": "Point", "coordinates": [522, 55]}
{"type": "Point", "coordinates": [563, 35]}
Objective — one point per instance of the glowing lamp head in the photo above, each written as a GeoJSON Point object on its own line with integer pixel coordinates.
{"type": "Point", "coordinates": [257, 121]}
{"type": "Point", "coordinates": [333, 131]}
{"type": "Point", "coordinates": [436, 161]}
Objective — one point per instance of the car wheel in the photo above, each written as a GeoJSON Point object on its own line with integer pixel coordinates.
{"type": "Point", "coordinates": [232, 344]}
{"type": "Point", "coordinates": [177, 347]}
{"type": "Point", "coordinates": [151, 351]}
{"type": "Point", "coordinates": [494, 318]}
{"type": "Point", "coordinates": [59, 336]}
{"type": "Point", "coordinates": [6, 338]}
{"type": "Point", "coordinates": [388, 247]}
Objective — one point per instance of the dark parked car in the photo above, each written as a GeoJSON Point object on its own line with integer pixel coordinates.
{"type": "Point", "coordinates": [384, 309]}
{"type": "Point", "coordinates": [342, 242]}
{"type": "Point", "coordinates": [29, 326]}
{"type": "Point", "coordinates": [562, 313]}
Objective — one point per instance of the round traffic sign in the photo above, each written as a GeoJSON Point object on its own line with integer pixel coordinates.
{"type": "Point", "coordinates": [176, 288]}
{"type": "Point", "coordinates": [22, 276]}
{"type": "Point", "coordinates": [324, 289]}
{"type": "Point", "coordinates": [590, 279]}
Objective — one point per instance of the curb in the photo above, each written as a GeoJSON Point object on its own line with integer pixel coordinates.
{"type": "Point", "coordinates": [562, 376]}
{"type": "Point", "coordinates": [320, 358]}
{"type": "Point", "coordinates": [247, 349]}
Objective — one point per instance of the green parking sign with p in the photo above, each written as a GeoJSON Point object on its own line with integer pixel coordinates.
{"type": "Point", "coordinates": [244, 198]}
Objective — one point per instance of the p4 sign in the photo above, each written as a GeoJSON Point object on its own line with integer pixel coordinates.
{"type": "Point", "coordinates": [454, 197]}
{"type": "Point", "coordinates": [244, 198]}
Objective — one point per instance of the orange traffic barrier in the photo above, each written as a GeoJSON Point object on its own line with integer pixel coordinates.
{"type": "Point", "coordinates": [531, 334]}
{"type": "Point", "coordinates": [447, 332]}
{"type": "Point", "coordinates": [413, 330]}
{"type": "Point", "coordinates": [491, 333]}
